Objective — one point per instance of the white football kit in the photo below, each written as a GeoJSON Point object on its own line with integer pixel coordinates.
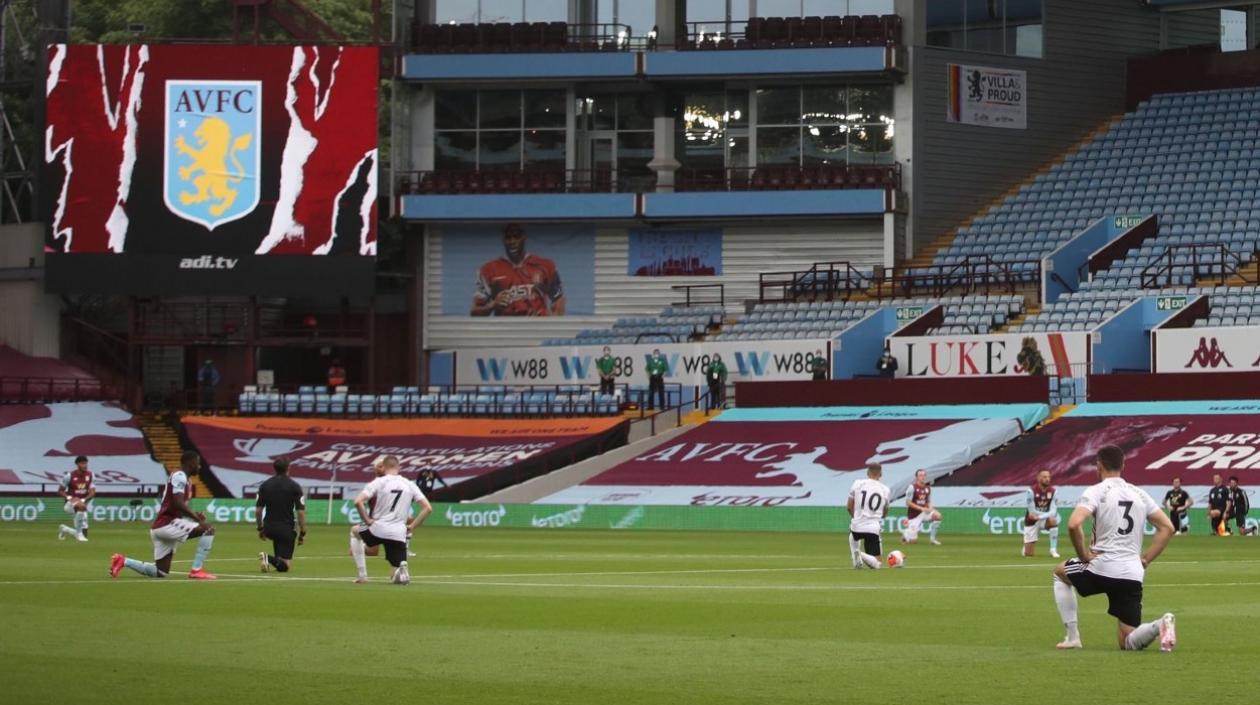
{"type": "Point", "coordinates": [394, 495]}
{"type": "Point", "coordinates": [870, 497]}
{"type": "Point", "coordinates": [1120, 510]}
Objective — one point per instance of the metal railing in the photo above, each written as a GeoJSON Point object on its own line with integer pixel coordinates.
{"type": "Point", "coordinates": [525, 37]}
{"type": "Point", "coordinates": [975, 274]}
{"type": "Point", "coordinates": [24, 389]}
{"type": "Point", "coordinates": [824, 280]}
{"type": "Point", "coordinates": [790, 178]}
{"type": "Point", "coordinates": [1202, 262]}
{"type": "Point", "coordinates": [524, 181]}
{"type": "Point", "coordinates": [792, 32]}
{"type": "Point", "coordinates": [698, 299]}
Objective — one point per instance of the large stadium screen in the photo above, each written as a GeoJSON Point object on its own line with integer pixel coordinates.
{"type": "Point", "coordinates": [211, 169]}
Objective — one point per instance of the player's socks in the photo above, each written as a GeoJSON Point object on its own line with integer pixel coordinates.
{"type": "Point", "coordinates": [1065, 600]}
{"type": "Point", "coordinates": [65, 531]}
{"type": "Point", "coordinates": [146, 569]}
{"type": "Point", "coordinates": [80, 523]}
{"type": "Point", "coordinates": [854, 551]}
{"type": "Point", "coordinates": [1141, 637]}
{"type": "Point", "coordinates": [1054, 542]}
{"type": "Point", "coordinates": [936, 525]}
{"type": "Point", "coordinates": [360, 559]}
{"type": "Point", "coordinates": [203, 549]}
{"type": "Point", "coordinates": [870, 561]}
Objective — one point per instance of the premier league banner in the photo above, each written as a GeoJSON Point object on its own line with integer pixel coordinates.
{"type": "Point", "coordinates": [1162, 440]}
{"type": "Point", "coordinates": [473, 456]}
{"type": "Point", "coordinates": [211, 169]}
{"type": "Point", "coordinates": [803, 456]}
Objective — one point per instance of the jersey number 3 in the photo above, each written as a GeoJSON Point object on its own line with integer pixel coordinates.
{"type": "Point", "coordinates": [1128, 519]}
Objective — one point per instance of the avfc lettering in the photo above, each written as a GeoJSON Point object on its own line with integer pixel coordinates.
{"type": "Point", "coordinates": [219, 100]}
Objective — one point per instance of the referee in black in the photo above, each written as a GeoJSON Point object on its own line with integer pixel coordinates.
{"type": "Point", "coordinates": [427, 481]}
{"type": "Point", "coordinates": [279, 498]}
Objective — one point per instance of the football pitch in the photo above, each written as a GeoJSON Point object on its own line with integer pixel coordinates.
{"type": "Point", "coordinates": [607, 618]}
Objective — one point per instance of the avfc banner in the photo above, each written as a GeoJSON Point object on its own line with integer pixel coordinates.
{"type": "Point", "coordinates": [1065, 354]}
{"type": "Point", "coordinates": [986, 96]}
{"type": "Point", "coordinates": [763, 360]}
{"type": "Point", "coordinates": [211, 169]}
{"type": "Point", "coordinates": [803, 456]}
{"type": "Point", "coordinates": [1207, 349]}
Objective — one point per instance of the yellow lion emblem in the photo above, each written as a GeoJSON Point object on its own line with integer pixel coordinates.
{"type": "Point", "coordinates": [209, 162]}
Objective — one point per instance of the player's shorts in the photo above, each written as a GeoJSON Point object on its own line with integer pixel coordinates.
{"type": "Point", "coordinates": [166, 538]}
{"type": "Point", "coordinates": [69, 506]}
{"type": "Point", "coordinates": [1032, 532]}
{"type": "Point", "coordinates": [395, 551]}
{"type": "Point", "coordinates": [870, 542]}
{"type": "Point", "coordinates": [283, 539]}
{"type": "Point", "coordinates": [1124, 597]}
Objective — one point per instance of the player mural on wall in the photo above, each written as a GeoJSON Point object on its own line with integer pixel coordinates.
{"type": "Point", "coordinates": [518, 283]}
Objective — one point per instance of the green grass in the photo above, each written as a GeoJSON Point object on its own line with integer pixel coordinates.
{"type": "Point", "coordinates": [606, 618]}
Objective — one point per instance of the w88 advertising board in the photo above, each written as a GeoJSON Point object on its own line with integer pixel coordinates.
{"type": "Point", "coordinates": [211, 169]}
{"type": "Point", "coordinates": [763, 360]}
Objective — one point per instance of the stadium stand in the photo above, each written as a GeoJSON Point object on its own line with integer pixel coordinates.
{"type": "Point", "coordinates": [673, 324]}
{"type": "Point", "coordinates": [477, 401]}
{"type": "Point", "coordinates": [799, 32]}
{"type": "Point", "coordinates": [820, 319]}
{"type": "Point", "coordinates": [1189, 158]}
{"type": "Point", "coordinates": [771, 178]}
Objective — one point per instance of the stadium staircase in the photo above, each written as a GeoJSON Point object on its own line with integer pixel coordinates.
{"type": "Point", "coordinates": [163, 437]}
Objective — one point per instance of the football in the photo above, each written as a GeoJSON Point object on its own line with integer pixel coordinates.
{"type": "Point", "coordinates": [896, 559]}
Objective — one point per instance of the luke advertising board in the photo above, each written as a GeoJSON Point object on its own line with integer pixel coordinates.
{"type": "Point", "coordinates": [1065, 354]}
{"type": "Point", "coordinates": [745, 360]}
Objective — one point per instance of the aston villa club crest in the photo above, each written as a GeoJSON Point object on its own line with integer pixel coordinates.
{"type": "Point", "coordinates": [212, 151]}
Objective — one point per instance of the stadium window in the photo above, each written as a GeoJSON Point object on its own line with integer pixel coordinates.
{"type": "Point", "coordinates": [615, 133]}
{"type": "Point", "coordinates": [1233, 30]}
{"type": "Point", "coordinates": [480, 130]}
{"type": "Point", "coordinates": [639, 16]}
{"type": "Point", "coordinates": [714, 131]}
{"type": "Point", "coordinates": [1011, 27]}
{"type": "Point", "coordinates": [477, 11]}
{"type": "Point", "coordinates": [824, 125]}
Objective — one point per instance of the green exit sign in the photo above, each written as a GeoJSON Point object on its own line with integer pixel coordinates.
{"type": "Point", "coordinates": [1170, 303]}
{"type": "Point", "coordinates": [1124, 222]}
{"type": "Point", "coordinates": [906, 313]}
